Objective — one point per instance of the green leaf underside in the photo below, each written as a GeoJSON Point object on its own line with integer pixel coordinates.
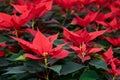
{"type": "Point", "coordinates": [70, 67]}
{"type": "Point", "coordinates": [98, 64]}
{"type": "Point", "coordinates": [89, 75]}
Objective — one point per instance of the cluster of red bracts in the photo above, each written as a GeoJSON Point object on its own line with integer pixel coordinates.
{"type": "Point", "coordinates": [82, 40]}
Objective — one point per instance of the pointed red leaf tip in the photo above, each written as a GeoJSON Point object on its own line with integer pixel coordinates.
{"type": "Point", "coordinates": [58, 52]}
{"type": "Point", "coordinates": [42, 44]}
{"type": "Point", "coordinates": [71, 36]}
{"type": "Point", "coordinates": [90, 17]}
{"type": "Point", "coordinates": [84, 53]}
{"type": "Point", "coordinates": [31, 31]}
{"type": "Point", "coordinates": [2, 53]}
{"type": "Point", "coordinates": [114, 70]}
{"type": "Point", "coordinates": [94, 50]}
{"type": "Point", "coordinates": [5, 20]}
{"type": "Point", "coordinates": [37, 8]}
{"type": "Point", "coordinates": [113, 22]}
{"type": "Point", "coordinates": [65, 3]}
{"type": "Point", "coordinates": [113, 41]}
{"type": "Point", "coordinates": [81, 36]}
{"type": "Point", "coordinates": [86, 2]}
{"type": "Point", "coordinates": [26, 45]}
{"type": "Point", "coordinates": [20, 8]}
{"type": "Point", "coordinates": [113, 25]}
{"type": "Point", "coordinates": [33, 57]}
{"type": "Point", "coordinates": [81, 52]}
{"type": "Point", "coordinates": [95, 34]}
{"type": "Point", "coordinates": [108, 55]}
{"type": "Point", "coordinates": [68, 34]}
{"type": "Point", "coordinates": [61, 54]}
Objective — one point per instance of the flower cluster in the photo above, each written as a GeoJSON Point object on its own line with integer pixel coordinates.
{"type": "Point", "coordinates": [74, 38]}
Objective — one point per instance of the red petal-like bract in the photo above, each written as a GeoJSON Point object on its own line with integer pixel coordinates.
{"type": "Point", "coordinates": [5, 20]}
{"type": "Point", "coordinates": [81, 36]}
{"type": "Point", "coordinates": [32, 57]}
{"type": "Point", "coordinates": [84, 53]}
{"type": "Point", "coordinates": [114, 41]}
{"type": "Point", "coordinates": [108, 55]}
{"type": "Point", "coordinates": [90, 17]}
{"type": "Point", "coordinates": [2, 53]}
{"type": "Point", "coordinates": [95, 34]}
{"type": "Point", "coordinates": [65, 3]}
{"type": "Point", "coordinates": [42, 44]}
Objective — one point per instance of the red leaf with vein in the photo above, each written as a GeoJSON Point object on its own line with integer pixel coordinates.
{"type": "Point", "coordinates": [81, 36]}
{"type": "Point", "coordinates": [84, 52]}
{"type": "Point", "coordinates": [42, 44]}
{"type": "Point", "coordinates": [90, 17]}
{"type": "Point", "coordinates": [95, 34]}
{"type": "Point", "coordinates": [33, 57]}
{"type": "Point", "coordinates": [113, 41]}
{"type": "Point", "coordinates": [108, 55]}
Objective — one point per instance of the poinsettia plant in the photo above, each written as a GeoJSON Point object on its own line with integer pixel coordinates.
{"type": "Point", "coordinates": [59, 39]}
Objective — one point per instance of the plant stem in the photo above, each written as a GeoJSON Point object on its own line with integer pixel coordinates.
{"type": "Point", "coordinates": [10, 2]}
{"type": "Point", "coordinates": [33, 23]}
{"type": "Point", "coordinates": [16, 32]}
{"type": "Point", "coordinates": [113, 78]}
{"type": "Point", "coordinates": [97, 27]}
{"type": "Point", "coordinates": [65, 17]}
{"type": "Point", "coordinates": [46, 65]}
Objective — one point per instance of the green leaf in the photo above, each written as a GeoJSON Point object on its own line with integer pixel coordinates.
{"type": "Point", "coordinates": [89, 75]}
{"type": "Point", "coordinates": [15, 70]}
{"type": "Point", "coordinates": [98, 64]}
{"type": "Point", "coordinates": [34, 79]}
{"type": "Point", "coordinates": [56, 68]}
{"type": "Point", "coordinates": [3, 39]}
{"type": "Point", "coordinates": [70, 67]}
{"type": "Point", "coordinates": [3, 62]}
{"type": "Point", "coordinates": [33, 66]}
{"type": "Point", "coordinates": [21, 57]}
{"type": "Point", "coordinates": [58, 42]}
{"type": "Point", "coordinates": [18, 56]}
{"type": "Point", "coordinates": [21, 76]}
{"type": "Point", "coordinates": [104, 43]}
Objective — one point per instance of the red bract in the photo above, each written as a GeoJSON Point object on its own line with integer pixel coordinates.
{"type": "Point", "coordinates": [2, 52]}
{"type": "Point", "coordinates": [65, 3]}
{"type": "Point", "coordinates": [5, 21]}
{"type": "Point", "coordinates": [115, 10]}
{"type": "Point", "coordinates": [31, 31]}
{"type": "Point", "coordinates": [84, 52]}
{"type": "Point", "coordinates": [86, 2]}
{"type": "Point", "coordinates": [43, 46]}
{"type": "Point", "coordinates": [114, 70]}
{"type": "Point", "coordinates": [1, 1]}
{"type": "Point", "coordinates": [81, 36]}
{"type": "Point", "coordinates": [19, 21]}
{"type": "Point", "coordinates": [112, 26]}
{"type": "Point", "coordinates": [28, 12]}
{"type": "Point", "coordinates": [113, 62]}
{"type": "Point", "coordinates": [14, 21]}
{"type": "Point", "coordinates": [90, 17]}
{"type": "Point", "coordinates": [27, 1]}
{"type": "Point", "coordinates": [36, 9]}
{"type": "Point", "coordinates": [108, 55]}
{"type": "Point", "coordinates": [102, 16]}
{"type": "Point", "coordinates": [101, 2]}
{"type": "Point", "coordinates": [113, 41]}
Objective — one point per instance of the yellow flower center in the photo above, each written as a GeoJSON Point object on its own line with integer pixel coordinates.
{"type": "Point", "coordinates": [83, 54]}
